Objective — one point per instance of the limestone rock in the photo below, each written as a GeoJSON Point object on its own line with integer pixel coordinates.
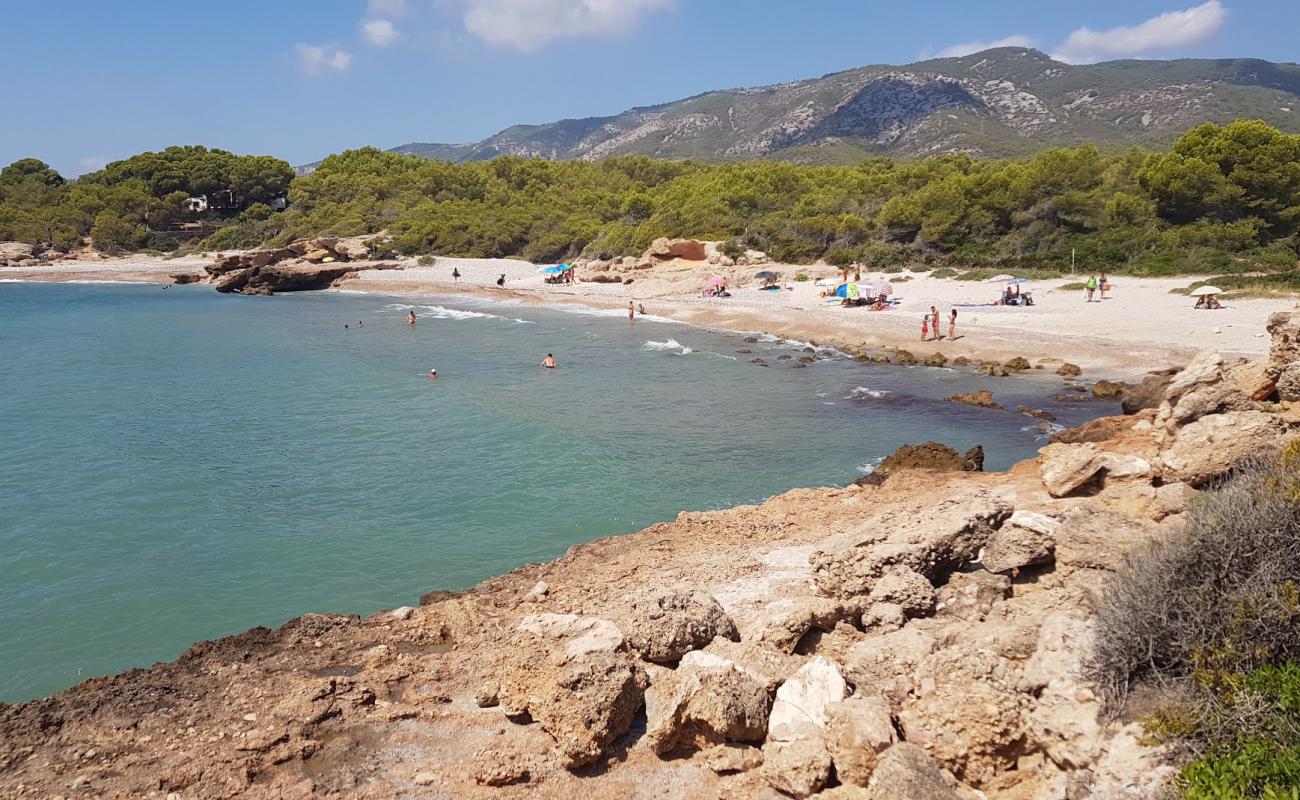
{"type": "Point", "coordinates": [936, 360]}
{"type": "Point", "coordinates": [765, 664]}
{"type": "Point", "coordinates": [1014, 546]}
{"type": "Point", "coordinates": [973, 459]}
{"type": "Point", "coordinates": [907, 771]}
{"type": "Point", "coordinates": [1108, 390]}
{"type": "Point", "coordinates": [982, 399]}
{"type": "Point", "coordinates": [1150, 393]}
{"type": "Point", "coordinates": [731, 758]}
{"type": "Point", "coordinates": [1284, 330]}
{"type": "Point", "coordinates": [13, 252]}
{"type": "Point", "coordinates": [1066, 467]}
{"type": "Point", "coordinates": [904, 358]}
{"type": "Point", "coordinates": [1097, 430]}
{"type": "Point", "coordinates": [858, 730]}
{"type": "Point", "coordinates": [669, 625]}
{"type": "Point", "coordinates": [1215, 444]}
{"type": "Point", "coordinates": [786, 621]}
{"type": "Point", "coordinates": [802, 700]}
{"type": "Point", "coordinates": [966, 713]}
{"type": "Point", "coordinates": [797, 768]}
{"type": "Point", "coordinates": [584, 703]}
{"type": "Point", "coordinates": [1255, 379]}
{"type": "Point", "coordinates": [576, 635]}
{"type": "Point", "coordinates": [1099, 538]}
{"type": "Point", "coordinates": [1288, 382]}
{"type": "Point", "coordinates": [887, 662]}
{"type": "Point", "coordinates": [1068, 370]}
{"type": "Point", "coordinates": [498, 767]}
{"type": "Point", "coordinates": [1018, 364]}
{"type": "Point", "coordinates": [905, 588]}
{"type": "Point", "coordinates": [705, 702]}
{"type": "Point", "coordinates": [932, 541]}
{"type": "Point", "coordinates": [971, 595]}
{"type": "Point", "coordinates": [665, 249]}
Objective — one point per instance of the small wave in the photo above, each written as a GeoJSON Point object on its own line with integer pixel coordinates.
{"type": "Point", "coordinates": [863, 393]}
{"type": "Point", "coordinates": [670, 346]}
{"type": "Point", "coordinates": [769, 338]}
{"type": "Point", "coordinates": [870, 466]}
{"type": "Point", "coordinates": [442, 312]}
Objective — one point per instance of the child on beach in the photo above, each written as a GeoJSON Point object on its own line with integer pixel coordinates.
{"type": "Point", "coordinates": [925, 327]}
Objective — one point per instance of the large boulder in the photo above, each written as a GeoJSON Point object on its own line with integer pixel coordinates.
{"type": "Point", "coordinates": [858, 730]}
{"type": "Point", "coordinates": [888, 662]}
{"type": "Point", "coordinates": [931, 540]}
{"type": "Point", "coordinates": [706, 701]}
{"type": "Point", "coordinates": [13, 252]}
{"type": "Point", "coordinates": [802, 700]}
{"type": "Point", "coordinates": [787, 620]}
{"type": "Point", "coordinates": [669, 625]}
{"type": "Point", "coordinates": [967, 713]}
{"type": "Point", "coordinates": [1150, 393]}
{"type": "Point", "coordinates": [907, 771]}
{"type": "Point", "coordinates": [971, 595]}
{"type": "Point", "coordinates": [1213, 445]}
{"type": "Point", "coordinates": [1284, 351]}
{"type": "Point", "coordinates": [796, 768]}
{"type": "Point", "coordinates": [574, 635]}
{"type": "Point", "coordinates": [1026, 540]}
{"type": "Point", "coordinates": [583, 703]}
{"type": "Point", "coordinates": [929, 455]}
{"type": "Point", "coordinates": [1097, 538]}
{"type": "Point", "coordinates": [905, 588]}
{"type": "Point", "coordinates": [1067, 467]}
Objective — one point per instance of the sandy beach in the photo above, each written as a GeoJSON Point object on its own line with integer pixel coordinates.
{"type": "Point", "coordinates": [1141, 324]}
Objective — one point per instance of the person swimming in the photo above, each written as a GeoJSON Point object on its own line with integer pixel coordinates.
{"type": "Point", "coordinates": [433, 374]}
{"type": "Point", "coordinates": [410, 317]}
{"type": "Point", "coordinates": [549, 361]}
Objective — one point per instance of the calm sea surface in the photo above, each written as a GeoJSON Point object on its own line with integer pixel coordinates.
{"type": "Point", "coordinates": [177, 465]}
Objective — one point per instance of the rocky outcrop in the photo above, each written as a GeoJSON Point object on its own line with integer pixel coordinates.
{"type": "Point", "coordinates": [303, 265]}
{"type": "Point", "coordinates": [706, 701]}
{"type": "Point", "coordinates": [1213, 445]}
{"type": "Point", "coordinates": [1284, 354]}
{"type": "Point", "coordinates": [928, 456]}
{"type": "Point", "coordinates": [17, 254]}
{"type": "Point", "coordinates": [930, 541]}
{"type": "Point", "coordinates": [905, 770]}
{"type": "Point", "coordinates": [982, 398]}
{"type": "Point", "coordinates": [664, 249]}
{"type": "Point", "coordinates": [1150, 393]}
{"type": "Point", "coordinates": [669, 625]}
{"type": "Point", "coordinates": [857, 731]}
{"type": "Point", "coordinates": [1068, 370]}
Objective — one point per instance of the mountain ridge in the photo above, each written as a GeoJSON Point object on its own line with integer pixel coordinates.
{"type": "Point", "coordinates": [1000, 102]}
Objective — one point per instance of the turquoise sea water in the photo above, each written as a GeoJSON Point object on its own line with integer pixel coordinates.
{"type": "Point", "coordinates": [177, 465]}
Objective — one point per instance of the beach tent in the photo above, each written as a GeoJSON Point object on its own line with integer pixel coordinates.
{"type": "Point", "coordinates": [1206, 291]}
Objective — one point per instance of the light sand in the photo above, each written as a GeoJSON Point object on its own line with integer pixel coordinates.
{"type": "Point", "coordinates": [1140, 326]}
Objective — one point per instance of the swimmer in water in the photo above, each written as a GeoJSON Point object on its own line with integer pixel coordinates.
{"type": "Point", "coordinates": [410, 317]}
{"type": "Point", "coordinates": [433, 374]}
{"type": "Point", "coordinates": [631, 312]}
{"type": "Point", "coordinates": [549, 361]}
{"type": "Point", "coordinates": [360, 324]}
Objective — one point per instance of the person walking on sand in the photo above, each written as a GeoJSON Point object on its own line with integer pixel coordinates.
{"type": "Point", "coordinates": [952, 325]}
{"type": "Point", "coordinates": [925, 327]}
{"type": "Point", "coordinates": [549, 361]}
{"type": "Point", "coordinates": [455, 275]}
{"type": "Point", "coordinates": [1091, 287]}
{"type": "Point", "coordinates": [1103, 285]}
{"type": "Point", "coordinates": [501, 282]}
{"type": "Point", "coordinates": [934, 322]}
{"type": "Point", "coordinates": [410, 317]}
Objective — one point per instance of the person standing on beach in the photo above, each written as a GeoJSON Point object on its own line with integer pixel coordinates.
{"type": "Point", "coordinates": [455, 275]}
{"type": "Point", "coordinates": [1091, 286]}
{"type": "Point", "coordinates": [925, 327]}
{"type": "Point", "coordinates": [410, 317]}
{"type": "Point", "coordinates": [631, 312]}
{"type": "Point", "coordinates": [934, 322]}
{"type": "Point", "coordinates": [1103, 285]}
{"type": "Point", "coordinates": [501, 282]}
{"type": "Point", "coordinates": [952, 325]}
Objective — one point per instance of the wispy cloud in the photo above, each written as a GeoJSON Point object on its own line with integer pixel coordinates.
{"type": "Point", "coordinates": [966, 48]}
{"type": "Point", "coordinates": [379, 32]}
{"type": "Point", "coordinates": [1167, 31]}
{"type": "Point", "coordinates": [316, 59]}
{"type": "Point", "coordinates": [529, 25]}
{"type": "Point", "coordinates": [395, 9]}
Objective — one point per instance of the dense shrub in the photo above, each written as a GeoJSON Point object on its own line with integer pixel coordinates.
{"type": "Point", "coordinates": [1212, 618]}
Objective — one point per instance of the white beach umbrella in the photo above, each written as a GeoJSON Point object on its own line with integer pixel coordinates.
{"type": "Point", "coordinates": [1001, 279]}
{"type": "Point", "coordinates": [1206, 290]}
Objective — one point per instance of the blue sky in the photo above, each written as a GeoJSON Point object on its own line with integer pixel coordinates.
{"type": "Point", "coordinates": [89, 81]}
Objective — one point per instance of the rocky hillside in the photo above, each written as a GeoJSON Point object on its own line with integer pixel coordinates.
{"type": "Point", "coordinates": [1001, 102]}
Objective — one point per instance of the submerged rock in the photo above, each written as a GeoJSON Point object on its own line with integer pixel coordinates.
{"type": "Point", "coordinates": [982, 398]}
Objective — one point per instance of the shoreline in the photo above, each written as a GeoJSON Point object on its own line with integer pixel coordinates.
{"type": "Point", "coordinates": [1050, 333]}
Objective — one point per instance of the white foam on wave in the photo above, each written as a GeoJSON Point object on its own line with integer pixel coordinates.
{"type": "Point", "coordinates": [458, 314]}
{"type": "Point", "coordinates": [670, 346]}
{"type": "Point", "coordinates": [864, 392]}
{"type": "Point", "coordinates": [870, 466]}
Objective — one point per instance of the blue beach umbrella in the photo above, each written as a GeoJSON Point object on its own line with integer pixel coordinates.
{"type": "Point", "coordinates": [1017, 281]}
{"type": "Point", "coordinates": [557, 270]}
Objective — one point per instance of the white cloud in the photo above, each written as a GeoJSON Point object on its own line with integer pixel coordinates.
{"type": "Point", "coordinates": [531, 24]}
{"type": "Point", "coordinates": [92, 163]}
{"type": "Point", "coordinates": [966, 48]}
{"type": "Point", "coordinates": [1169, 30]}
{"type": "Point", "coordinates": [320, 59]}
{"type": "Point", "coordinates": [388, 8]}
{"type": "Point", "coordinates": [379, 32]}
